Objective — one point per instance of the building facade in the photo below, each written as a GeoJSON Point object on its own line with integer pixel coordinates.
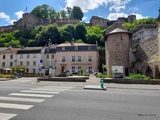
{"type": "Point", "coordinates": [52, 60]}
{"type": "Point", "coordinates": [72, 57]}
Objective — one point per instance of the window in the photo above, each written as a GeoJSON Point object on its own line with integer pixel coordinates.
{"type": "Point", "coordinates": [73, 58]}
{"type": "Point", "coordinates": [89, 58]}
{"type": "Point", "coordinates": [27, 62]}
{"type": "Point", "coordinates": [3, 64]}
{"type": "Point", "coordinates": [76, 48]}
{"type": "Point", "coordinates": [11, 64]}
{"type": "Point", "coordinates": [52, 63]}
{"type": "Point", "coordinates": [63, 58]}
{"type": "Point", "coordinates": [47, 63]}
{"type": "Point", "coordinates": [34, 55]}
{"type": "Point", "coordinates": [90, 69]}
{"type": "Point", "coordinates": [89, 48]}
{"type": "Point", "coordinates": [47, 56]}
{"type": "Point", "coordinates": [21, 62]}
{"type": "Point", "coordinates": [21, 56]}
{"type": "Point", "coordinates": [79, 58]}
{"type": "Point", "coordinates": [4, 57]}
{"type": "Point", "coordinates": [34, 62]}
{"type": "Point", "coordinates": [27, 70]}
{"type": "Point", "coordinates": [52, 56]}
{"type": "Point", "coordinates": [79, 68]}
{"type": "Point", "coordinates": [63, 48]}
{"type": "Point", "coordinates": [121, 38]}
{"type": "Point", "coordinates": [27, 55]}
{"type": "Point", "coordinates": [34, 70]}
{"type": "Point", "coordinates": [73, 69]}
{"type": "Point", "coordinates": [11, 57]}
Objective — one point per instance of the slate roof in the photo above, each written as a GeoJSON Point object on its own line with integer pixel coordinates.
{"type": "Point", "coordinates": [76, 47]}
{"type": "Point", "coordinates": [118, 30]}
{"type": "Point", "coordinates": [8, 50]}
{"type": "Point", "coordinates": [113, 27]}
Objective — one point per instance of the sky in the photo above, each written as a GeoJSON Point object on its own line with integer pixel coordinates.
{"type": "Point", "coordinates": [12, 10]}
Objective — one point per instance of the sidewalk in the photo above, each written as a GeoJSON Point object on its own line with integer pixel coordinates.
{"type": "Point", "coordinates": [93, 81]}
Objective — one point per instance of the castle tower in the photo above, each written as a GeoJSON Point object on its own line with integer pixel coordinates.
{"type": "Point", "coordinates": [131, 18]}
{"type": "Point", "coordinates": [117, 44]}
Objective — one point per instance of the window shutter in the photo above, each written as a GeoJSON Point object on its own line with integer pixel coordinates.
{"type": "Point", "coordinates": [92, 70]}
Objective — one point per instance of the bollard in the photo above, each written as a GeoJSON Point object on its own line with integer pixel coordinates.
{"type": "Point", "coordinates": [102, 81]}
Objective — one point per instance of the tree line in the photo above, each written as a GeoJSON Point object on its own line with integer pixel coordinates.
{"type": "Point", "coordinates": [47, 12]}
{"type": "Point", "coordinates": [40, 36]}
{"type": "Point", "coordinates": [135, 24]}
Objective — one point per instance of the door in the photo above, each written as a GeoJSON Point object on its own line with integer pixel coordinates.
{"type": "Point", "coordinates": [63, 69]}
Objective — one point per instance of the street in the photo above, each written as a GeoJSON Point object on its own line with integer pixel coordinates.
{"type": "Point", "coordinates": [21, 100]}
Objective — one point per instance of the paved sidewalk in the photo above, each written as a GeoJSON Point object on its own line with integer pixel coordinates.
{"type": "Point", "coordinates": [93, 81]}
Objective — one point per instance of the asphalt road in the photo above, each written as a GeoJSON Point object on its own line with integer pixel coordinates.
{"type": "Point", "coordinates": [19, 100]}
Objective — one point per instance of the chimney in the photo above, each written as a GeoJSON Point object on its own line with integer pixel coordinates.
{"type": "Point", "coordinates": [97, 43]}
{"type": "Point", "coordinates": [72, 41]}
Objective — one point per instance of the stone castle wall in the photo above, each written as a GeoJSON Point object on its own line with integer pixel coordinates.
{"type": "Point", "coordinates": [30, 21]}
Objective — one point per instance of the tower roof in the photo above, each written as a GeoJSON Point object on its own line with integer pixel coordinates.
{"type": "Point", "coordinates": [118, 30]}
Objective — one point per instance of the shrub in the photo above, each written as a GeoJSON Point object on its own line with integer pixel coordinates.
{"type": "Point", "coordinates": [101, 75]}
{"type": "Point", "coordinates": [138, 76]}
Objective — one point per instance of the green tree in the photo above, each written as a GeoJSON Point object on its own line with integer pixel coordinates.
{"type": "Point", "coordinates": [69, 12]}
{"type": "Point", "coordinates": [67, 33]}
{"type": "Point", "coordinates": [63, 14]}
{"type": "Point", "coordinates": [31, 43]}
{"type": "Point", "coordinates": [81, 32]}
{"type": "Point", "coordinates": [139, 22]}
{"type": "Point", "coordinates": [44, 11]}
{"type": "Point", "coordinates": [77, 13]}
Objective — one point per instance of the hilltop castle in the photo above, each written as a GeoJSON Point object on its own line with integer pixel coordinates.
{"type": "Point", "coordinates": [29, 21]}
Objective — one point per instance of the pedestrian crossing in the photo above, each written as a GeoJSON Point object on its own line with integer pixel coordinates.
{"type": "Point", "coordinates": [30, 96]}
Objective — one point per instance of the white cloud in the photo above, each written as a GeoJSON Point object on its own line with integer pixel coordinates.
{"type": "Point", "coordinates": [117, 8]}
{"type": "Point", "coordinates": [84, 18]}
{"type": "Point", "coordinates": [115, 16]}
{"type": "Point", "coordinates": [86, 5]}
{"type": "Point", "coordinates": [139, 16]}
{"type": "Point", "coordinates": [4, 16]}
{"type": "Point", "coordinates": [19, 14]}
{"type": "Point", "coordinates": [11, 21]}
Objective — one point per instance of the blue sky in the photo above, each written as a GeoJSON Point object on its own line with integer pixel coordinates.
{"type": "Point", "coordinates": [12, 10]}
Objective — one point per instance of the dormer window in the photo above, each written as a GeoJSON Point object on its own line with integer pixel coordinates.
{"type": "Point", "coordinates": [76, 48]}
{"type": "Point", "coordinates": [63, 48]}
{"type": "Point", "coordinates": [89, 48]}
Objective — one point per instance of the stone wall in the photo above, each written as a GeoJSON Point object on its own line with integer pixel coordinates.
{"type": "Point", "coordinates": [146, 58]}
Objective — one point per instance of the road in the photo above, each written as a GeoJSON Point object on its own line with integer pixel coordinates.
{"type": "Point", "coordinates": [20, 100]}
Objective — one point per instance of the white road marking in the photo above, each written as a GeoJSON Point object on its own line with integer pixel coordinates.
{"type": "Point", "coordinates": [15, 106]}
{"type": "Point", "coordinates": [6, 116]}
{"type": "Point", "coordinates": [21, 99]}
{"type": "Point", "coordinates": [32, 95]}
{"type": "Point", "coordinates": [49, 89]}
{"type": "Point", "coordinates": [48, 92]}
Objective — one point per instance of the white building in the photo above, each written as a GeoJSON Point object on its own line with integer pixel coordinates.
{"type": "Point", "coordinates": [30, 57]}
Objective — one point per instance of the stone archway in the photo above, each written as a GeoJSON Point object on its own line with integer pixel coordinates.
{"type": "Point", "coordinates": [157, 73]}
{"type": "Point", "coordinates": [149, 72]}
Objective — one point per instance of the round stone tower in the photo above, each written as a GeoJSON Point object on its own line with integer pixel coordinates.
{"type": "Point", "coordinates": [117, 44]}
